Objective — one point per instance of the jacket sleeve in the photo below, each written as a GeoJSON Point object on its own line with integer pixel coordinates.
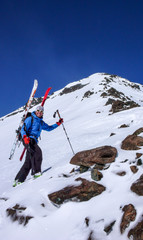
{"type": "Point", "coordinates": [48, 128]}
{"type": "Point", "coordinates": [26, 126]}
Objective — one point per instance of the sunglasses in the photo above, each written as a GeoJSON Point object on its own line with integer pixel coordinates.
{"type": "Point", "coordinates": [40, 111]}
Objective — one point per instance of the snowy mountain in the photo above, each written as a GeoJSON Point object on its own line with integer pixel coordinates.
{"type": "Point", "coordinates": [99, 112]}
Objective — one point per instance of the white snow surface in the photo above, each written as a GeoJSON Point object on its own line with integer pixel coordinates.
{"type": "Point", "coordinates": [89, 124]}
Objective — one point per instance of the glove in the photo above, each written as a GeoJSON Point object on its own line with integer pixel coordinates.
{"type": "Point", "coordinates": [26, 139]}
{"type": "Point", "coordinates": [60, 121]}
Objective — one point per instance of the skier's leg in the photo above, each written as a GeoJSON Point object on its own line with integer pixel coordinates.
{"type": "Point", "coordinates": [37, 159]}
{"type": "Point", "coordinates": [23, 172]}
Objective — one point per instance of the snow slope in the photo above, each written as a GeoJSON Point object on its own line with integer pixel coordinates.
{"type": "Point", "coordinates": [89, 124]}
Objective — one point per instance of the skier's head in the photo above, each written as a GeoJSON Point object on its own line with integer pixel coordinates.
{"type": "Point", "coordinates": [40, 108]}
{"type": "Point", "coordinates": [39, 111]}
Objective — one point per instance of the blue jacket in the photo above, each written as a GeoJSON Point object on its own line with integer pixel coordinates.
{"type": "Point", "coordinates": [33, 128]}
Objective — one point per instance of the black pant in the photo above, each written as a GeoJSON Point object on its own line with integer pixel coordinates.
{"type": "Point", "coordinates": [33, 161]}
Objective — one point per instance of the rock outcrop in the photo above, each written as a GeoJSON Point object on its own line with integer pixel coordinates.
{"type": "Point", "coordinates": [137, 186]}
{"type": "Point", "coordinates": [137, 232]}
{"type": "Point", "coordinates": [119, 105]}
{"type": "Point", "coordinates": [133, 142]}
{"type": "Point", "coordinates": [100, 155]}
{"type": "Point", "coordinates": [85, 191]}
{"type": "Point", "coordinates": [128, 216]}
{"type": "Point", "coordinates": [16, 214]}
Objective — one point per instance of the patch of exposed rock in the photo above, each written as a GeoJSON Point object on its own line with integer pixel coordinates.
{"type": "Point", "coordinates": [122, 103]}
{"type": "Point", "coordinates": [100, 155]}
{"type": "Point", "coordinates": [16, 214]}
{"type": "Point", "coordinates": [138, 131]}
{"type": "Point", "coordinates": [114, 93]}
{"type": "Point", "coordinates": [84, 192]}
{"type": "Point", "coordinates": [128, 216]}
{"type": "Point", "coordinates": [96, 175]}
{"type": "Point", "coordinates": [119, 105]}
{"type": "Point", "coordinates": [134, 168]}
{"type": "Point", "coordinates": [132, 142]}
{"type": "Point", "coordinates": [108, 229]}
{"type": "Point", "coordinates": [67, 90]}
{"type": "Point", "coordinates": [137, 186]}
{"type": "Point", "coordinates": [87, 94]}
{"type": "Point", "coordinates": [136, 233]}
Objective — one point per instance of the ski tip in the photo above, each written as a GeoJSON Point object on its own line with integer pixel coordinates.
{"type": "Point", "coordinates": [48, 90]}
{"type": "Point", "coordinates": [36, 81]}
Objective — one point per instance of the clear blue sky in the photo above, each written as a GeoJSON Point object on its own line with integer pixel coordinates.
{"type": "Point", "coordinates": [61, 41]}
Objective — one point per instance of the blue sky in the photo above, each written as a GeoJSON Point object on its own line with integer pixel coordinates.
{"type": "Point", "coordinates": [61, 41]}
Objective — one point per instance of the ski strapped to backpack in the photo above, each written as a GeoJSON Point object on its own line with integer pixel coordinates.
{"type": "Point", "coordinates": [17, 138]}
{"type": "Point", "coordinates": [42, 104]}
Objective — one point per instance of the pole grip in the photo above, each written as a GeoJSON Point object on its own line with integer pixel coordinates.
{"type": "Point", "coordinates": [58, 113]}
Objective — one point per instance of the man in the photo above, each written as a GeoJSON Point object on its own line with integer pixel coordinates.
{"type": "Point", "coordinates": [30, 133]}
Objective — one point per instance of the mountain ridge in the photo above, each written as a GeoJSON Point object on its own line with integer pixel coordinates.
{"type": "Point", "coordinates": [90, 123]}
{"type": "Point", "coordinates": [75, 85]}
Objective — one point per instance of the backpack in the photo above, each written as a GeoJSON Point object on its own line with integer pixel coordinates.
{"type": "Point", "coordinates": [18, 131]}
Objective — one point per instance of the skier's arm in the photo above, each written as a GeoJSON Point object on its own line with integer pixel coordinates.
{"type": "Point", "coordinates": [47, 127]}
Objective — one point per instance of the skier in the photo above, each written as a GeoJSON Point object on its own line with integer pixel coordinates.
{"type": "Point", "coordinates": [30, 133]}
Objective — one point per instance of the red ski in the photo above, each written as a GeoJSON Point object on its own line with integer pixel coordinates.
{"type": "Point", "coordinates": [45, 96]}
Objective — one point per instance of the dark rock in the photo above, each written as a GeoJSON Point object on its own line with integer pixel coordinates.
{"type": "Point", "coordinates": [126, 160]}
{"type": "Point", "coordinates": [83, 169]}
{"type": "Point", "coordinates": [128, 216]}
{"type": "Point", "coordinates": [138, 131]}
{"type": "Point", "coordinates": [110, 101]}
{"type": "Point", "coordinates": [136, 233]}
{"type": "Point", "coordinates": [137, 186]}
{"type": "Point", "coordinates": [112, 134]}
{"type": "Point", "coordinates": [4, 199]}
{"type": "Point", "coordinates": [85, 191]}
{"type": "Point", "coordinates": [113, 92]}
{"type": "Point", "coordinates": [138, 155]}
{"type": "Point", "coordinates": [96, 175]}
{"type": "Point", "coordinates": [100, 155]}
{"type": "Point", "coordinates": [119, 105]}
{"type": "Point", "coordinates": [88, 94]}
{"type": "Point", "coordinates": [139, 162]}
{"type": "Point", "coordinates": [104, 94]}
{"type": "Point", "coordinates": [87, 221]}
{"type": "Point", "coordinates": [135, 86]}
{"type": "Point", "coordinates": [42, 204]}
{"type": "Point", "coordinates": [124, 126]}
{"type": "Point", "coordinates": [109, 228]}
{"type": "Point", "coordinates": [132, 142]}
{"type": "Point", "coordinates": [100, 166]}
{"type": "Point", "coordinates": [72, 171]}
{"type": "Point", "coordinates": [91, 236]}
{"type": "Point", "coordinates": [15, 214]}
{"type": "Point", "coordinates": [72, 89]}
{"type": "Point", "coordinates": [134, 168]}
{"type": "Point", "coordinates": [123, 173]}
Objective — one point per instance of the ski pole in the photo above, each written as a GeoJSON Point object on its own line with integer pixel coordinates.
{"type": "Point", "coordinates": [64, 130]}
